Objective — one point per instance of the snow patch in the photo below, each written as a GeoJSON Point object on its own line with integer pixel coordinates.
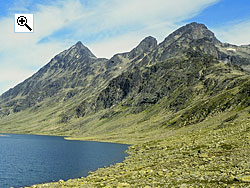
{"type": "Point", "coordinates": [231, 49]}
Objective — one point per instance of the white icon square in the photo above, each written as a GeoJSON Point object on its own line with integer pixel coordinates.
{"type": "Point", "coordinates": [24, 23]}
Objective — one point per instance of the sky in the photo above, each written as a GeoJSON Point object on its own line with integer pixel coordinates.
{"type": "Point", "coordinates": [106, 27]}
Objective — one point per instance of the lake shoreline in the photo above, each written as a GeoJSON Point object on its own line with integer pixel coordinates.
{"type": "Point", "coordinates": [75, 138]}
{"type": "Point", "coordinates": [96, 140]}
{"type": "Point", "coordinates": [61, 138]}
{"type": "Point", "coordinates": [203, 150]}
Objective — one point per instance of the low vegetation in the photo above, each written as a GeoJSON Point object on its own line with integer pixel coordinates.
{"type": "Point", "coordinates": [201, 155]}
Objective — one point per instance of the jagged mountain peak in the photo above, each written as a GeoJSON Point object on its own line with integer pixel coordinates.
{"type": "Point", "coordinates": [195, 25]}
{"type": "Point", "coordinates": [193, 36]}
{"type": "Point", "coordinates": [196, 31]}
{"type": "Point", "coordinates": [79, 44]}
{"type": "Point", "coordinates": [147, 44]}
{"type": "Point", "coordinates": [80, 49]}
{"type": "Point", "coordinates": [69, 59]}
{"type": "Point", "coordinates": [191, 31]}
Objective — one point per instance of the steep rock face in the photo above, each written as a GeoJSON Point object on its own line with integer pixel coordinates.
{"type": "Point", "coordinates": [76, 57]}
{"type": "Point", "coordinates": [178, 79]}
{"type": "Point", "coordinates": [68, 69]}
{"type": "Point", "coordinates": [188, 58]}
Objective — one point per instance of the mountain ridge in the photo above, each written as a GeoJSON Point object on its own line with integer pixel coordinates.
{"type": "Point", "coordinates": [77, 89]}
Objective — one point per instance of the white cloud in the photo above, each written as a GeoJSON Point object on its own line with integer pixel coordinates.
{"type": "Point", "coordinates": [118, 26]}
{"type": "Point", "coordinates": [234, 33]}
{"type": "Point", "coordinates": [13, 73]}
{"type": "Point", "coordinates": [47, 20]}
{"type": "Point", "coordinates": [10, 76]}
{"type": "Point", "coordinates": [155, 10]}
{"type": "Point", "coordinates": [124, 43]}
{"type": "Point", "coordinates": [157, 18]}
{"type": "Point", "coordinates": [113, 13]}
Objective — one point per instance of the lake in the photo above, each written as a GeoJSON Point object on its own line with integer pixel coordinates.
{"type": "Point", "coordinates": [32, 159]}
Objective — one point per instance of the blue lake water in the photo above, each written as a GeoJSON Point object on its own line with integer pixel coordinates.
{"type": "Point", "coordinates": [31, 159]}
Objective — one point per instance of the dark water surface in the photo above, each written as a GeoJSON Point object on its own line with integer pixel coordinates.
{"type": "Point", "coordinates": [32, 159]}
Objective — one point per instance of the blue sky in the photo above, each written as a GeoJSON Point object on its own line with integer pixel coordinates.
{"type": "Point", "coordinates": [107, 27]}
{"type": "Point", "coordinates": [224, 12]}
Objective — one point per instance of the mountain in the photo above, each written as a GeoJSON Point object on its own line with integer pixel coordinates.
{"type": "Point", "coordinates": [67, 74]}
{"type": "Point", "coordinates": [181, 81]}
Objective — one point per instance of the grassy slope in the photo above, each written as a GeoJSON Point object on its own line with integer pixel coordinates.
{"type": "Point", "coordinates": [213, 153]}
